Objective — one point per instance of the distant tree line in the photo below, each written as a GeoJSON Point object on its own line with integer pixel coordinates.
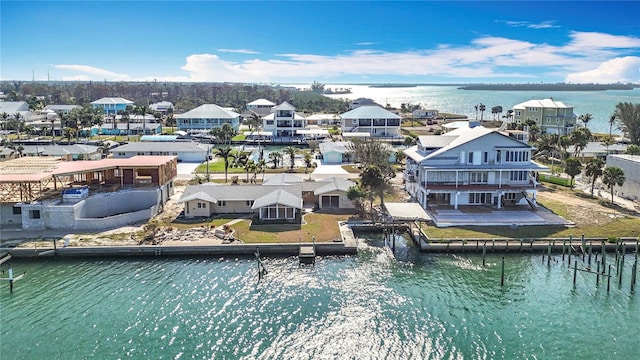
{"type": "Point", "coordinates": [184, 96]}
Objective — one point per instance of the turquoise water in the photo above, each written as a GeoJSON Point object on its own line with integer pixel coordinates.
{"type": "Point", "coordinates": [450, 99]}
{"type": "Point", "coordinates": [372, 306]}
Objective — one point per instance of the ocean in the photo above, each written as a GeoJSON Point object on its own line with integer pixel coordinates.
{"type": "Point", "coordinates": [375, 305]}
{"type": "Point", "coordinates": [450, 99]}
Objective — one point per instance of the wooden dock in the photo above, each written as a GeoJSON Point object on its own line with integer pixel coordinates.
{"type": "Point", "coordinates": [307, 254]}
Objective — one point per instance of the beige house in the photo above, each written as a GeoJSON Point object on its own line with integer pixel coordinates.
{"type": "Point", "coordinates": [281, 197]}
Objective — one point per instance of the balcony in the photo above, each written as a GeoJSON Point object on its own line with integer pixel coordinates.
{"type": "Point", "coordinates": [409, 177]}
{"type": "Point", "coordinates": [283, 124]}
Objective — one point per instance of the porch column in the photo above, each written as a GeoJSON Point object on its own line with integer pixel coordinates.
{"type": "Point", "coordinates": [455, 200]}
{"type": "Point", "coordinates": [456, 179]}
{"type": "Point", "coordinates": [500, 199]}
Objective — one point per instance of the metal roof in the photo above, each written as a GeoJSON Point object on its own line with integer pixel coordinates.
{"type": "Point", "coordinates": [111, 100]}
{"type": "Point", "coordinates": [284, 106]}
{"type": "Point", "coordinates": [406, 211]}
{"type": "Point", "coordinates": [164, 146]}
{"type": "Point", "coordinates": [261, 102]}
{"type": "Point", "coordinates": [369, 112]}
{"type": "Point", "coordinates": [208, 111]}
{"type": "Point", "coordinates": [544, 103]}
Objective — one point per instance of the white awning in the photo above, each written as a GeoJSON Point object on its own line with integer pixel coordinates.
{"type": "Point", "coordinates": [258, 133]}
{"type": "Point", "coordinates": [355, 134]}
{"type": "Point", "coordinates": [406, 211]}
{"type": "Point", "coordinates": [313, 132]}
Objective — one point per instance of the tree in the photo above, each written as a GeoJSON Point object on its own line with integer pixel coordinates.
{"type": "Point", "coordinates": [275, 158]}
{"type": "Point", "coordinates": [594, 171]}
{"type": "Point", "coordinates": [400, 156]}
{"type": "Point", "coordinates": [308, 161]}
{"type": "Point", "coordinates": [482, 108]}
{"type": "Point", "coordinates": [572, 167]}
{"type": "Point", "coordinates": [612, 176]}
{"type": "Point", "coordinates": [409, 141]}
{"type": "Point", "coordinates": [317, 87]}
{"type": "Point", "coordinates": [225, 153]}
{"type": "Point", "coordinates": [612, 121]}
{"type": "Point", "coordinates": [291, 151]}
{"type": "Point", "coordinates": [68, 133]}
{"type": "Point", "coordinates": [249, 166]}
{"type": "Point", "coordinates": [254, 121]}
{"type": "Point", "coordinates": [496, 111]}
{"type": "Point", "coordinates": [142, 111]}
{"type": "Point", "coordinates": [633, 149]}
{"type": "Point", "coordinates": [579, 139]}
{"type": "Point", "coordinates": [628, 115]}
{"type": "Point", "coordinates": [372, 180]}
{"type": "Point", "coordinates": [585, 118]}
{"type": "Point", "coordinates": [356, 193]}
{"type": "Point", "coordinates": [261, 166]}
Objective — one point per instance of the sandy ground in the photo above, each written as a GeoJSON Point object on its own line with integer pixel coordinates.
{"type": "Point", "coordinates": [583, 211]}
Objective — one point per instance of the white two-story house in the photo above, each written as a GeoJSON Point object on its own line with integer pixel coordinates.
{"type": "Point", "coordinates": [471, 166]}
{"type": "Point", "coordinates": [284, 121]}
{"type": "Point", "coordinates": [374, 120]}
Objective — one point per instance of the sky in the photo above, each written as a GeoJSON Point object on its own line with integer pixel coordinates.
{"type": "Point", "coordinates": [325, 41]}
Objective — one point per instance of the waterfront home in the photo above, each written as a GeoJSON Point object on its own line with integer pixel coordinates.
{"type": "Point", "coordinates": [111, 105]}
{"type": "Point", "coordinates": [14, 107]}
{"type": "Point", "coordinates": [599, 150]}
{"type": "Point", "coordinates": [374, 120]}
{"type": "Point", "coordinates": [41, 193]}
{"type": "Point", "coordinates": [261, 106]}
{"type": "Point", "coordinates": [630, 164]}
{"type": "Point", "coordinates": [206, 117]}
{"type": "Point", "coordinates": [471, 166]}
{"type": "Point", "coordinates": [185, 151]}
{"type": "Point", "coordinates": [162, 107]}
{"type": "Point", "coordinates": [279, 198]}
{"type": "Point", "coordinates": [425, 114]}
{"type": "Point", "coordinates": [126, 128]}
{"type": "Point", "coordinates": [62, 109]}
{"type": "Point", "coordinates": [551, 116]}
{"type": "Point", "coordinates": [284, 121]}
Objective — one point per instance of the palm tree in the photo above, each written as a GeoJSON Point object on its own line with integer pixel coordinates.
{"type": "Point", "coordinates": [142, 111]}
{"type": "Point", "coordinates": [68, 133]}
{"type": "Point", "coordinates": [482, 108]}
{"type": "Point", "coordinates": [261, 166]}
{"type": "Point", "coordinates": [612, 176]}
{"type": "Point", "coordinates": [249, 166]}
{"type": "Point", "coordinates": [580, 138]}
{"type": "Point", "coordinates": [308, 161]}
{"type": "Point", "coordinates": [594, 171]}
{"type": "Point", "coordinates": [628, 115]}
{"type": "Point", "coordinates": [225, 154]}
{"type": "Point", "coordinates": [585, 118]}
{"type": "Point", "coordinates": [291, 151]}
{"type": "Point", "coordinates": [275, 157]}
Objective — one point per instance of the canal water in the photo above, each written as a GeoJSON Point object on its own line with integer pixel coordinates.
{"type": "Point", "coordinates": [371, 306]}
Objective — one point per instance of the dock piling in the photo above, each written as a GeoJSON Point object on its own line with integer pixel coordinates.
{"type": "Point", "coordinates": [484, 253]}
{"type": "Point", "coordinates": [502, 273]}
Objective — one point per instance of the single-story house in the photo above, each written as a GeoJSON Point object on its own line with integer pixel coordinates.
{"type": "Point", "coordinates": [279, 198]}
{"type": "Point", "coordinates": [186, 151]}
{"type": "Point", "coordinates": [68, 152]}
{"type": "Point", "coordinates": [337, 152]}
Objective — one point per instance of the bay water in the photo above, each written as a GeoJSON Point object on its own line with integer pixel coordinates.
{"type": "Point", "coordinates": [375, 305]}
{"type": "Point", "coordinates": [451, 99]}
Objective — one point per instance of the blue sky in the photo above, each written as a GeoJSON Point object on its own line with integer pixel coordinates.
{"type": "Point", "coordinates": [330, 42]}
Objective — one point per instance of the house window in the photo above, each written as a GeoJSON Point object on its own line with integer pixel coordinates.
{"type": "Point", "coordinates": [34, 214]}
{"type": "Point", "coordinates": [470, 157]}
{"type": "Point", "coordinates": [249, 202]}
{"type": "Point", "coordinates": [17, 210]}
{"type": "Point", "coordinates": [479, 177]}
{"type": "Point", "coordinates": [202, 205]}
{"type": "Point", "coordinates": [519, 175]}
{"type": "Point", "coordinates": [269, 122]}
{"type": "Point", "coordinates": [479, 198]}
{"type": "Point", "coordinates": [485, 157]}
{"type": "Point", "coordinates": [518, 113]}
{"type": "Point", "coordinates": [222, 203]}
{"type": "Point", "coordinates": [533, 109]}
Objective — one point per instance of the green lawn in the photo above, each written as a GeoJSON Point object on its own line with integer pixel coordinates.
{"type": "Point", "coordinates": [323, 226]}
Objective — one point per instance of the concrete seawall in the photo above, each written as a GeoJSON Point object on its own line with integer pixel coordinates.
{"type": "Point", "coordinates": [322, 249]}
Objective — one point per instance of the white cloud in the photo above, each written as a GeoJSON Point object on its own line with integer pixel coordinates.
{"type": "Point", "coordinates": [489, 58]}
{"type": "Point", "coordinates": [624, 69]}
{"type": "Point", "coordinates": [90, 72]}
{"type": "Point", "coordinates": [238, 51]}
{"type": "Point", "coordinates": [541, 25]}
